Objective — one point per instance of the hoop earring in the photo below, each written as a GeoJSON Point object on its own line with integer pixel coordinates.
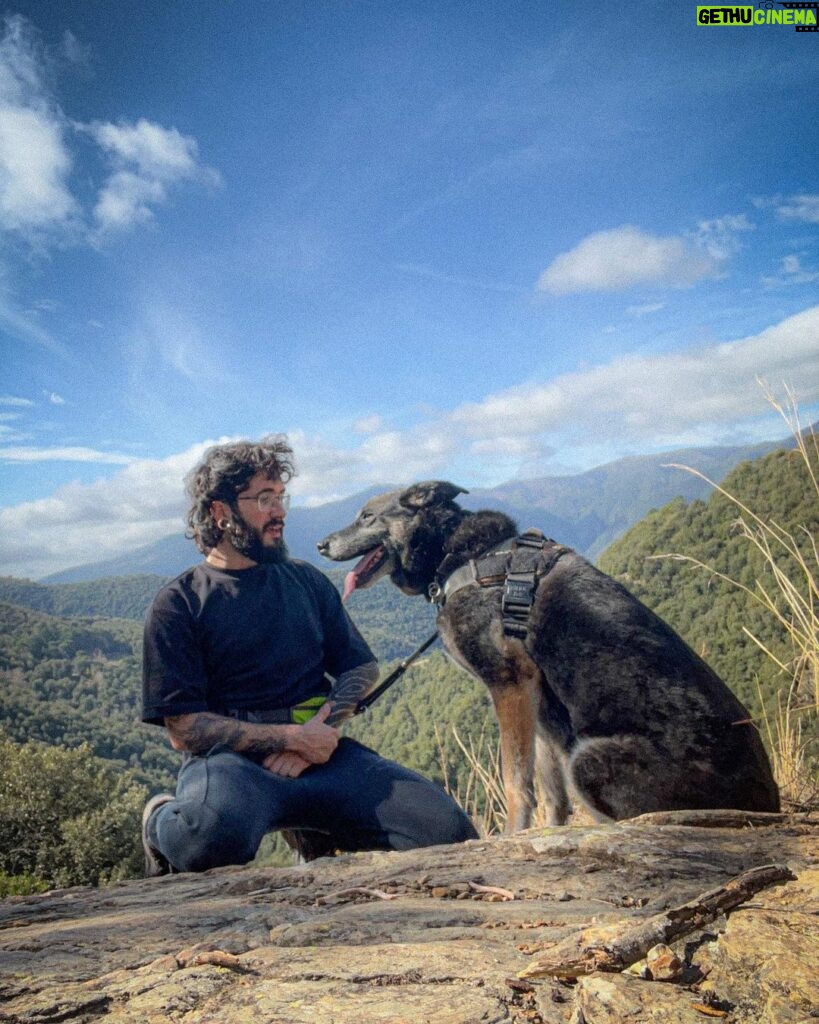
{"type": "Point", "coordinates": [224, 524]}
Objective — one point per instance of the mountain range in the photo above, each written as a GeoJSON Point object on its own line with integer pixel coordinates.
{"type": "Point", "coordinates": [586, 511]}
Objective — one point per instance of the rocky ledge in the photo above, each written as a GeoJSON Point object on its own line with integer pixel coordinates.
{"type": "Point", "coordinates": [518, 928]}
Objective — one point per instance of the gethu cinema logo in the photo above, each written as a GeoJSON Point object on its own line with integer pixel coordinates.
{"type": "Point", "coordinates": [803, 16]}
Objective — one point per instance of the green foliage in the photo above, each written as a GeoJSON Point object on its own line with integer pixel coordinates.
{"type": "Point", "coordinates": [66, 817]}
{"type": "Point", "coordinates": [20, 885]}
{"type": "Point", "coordinates": [72, 681]}
{"type": "Point", "coordinates": [709, 612]}
{"type": "Point", "coordinates": [121, 597]}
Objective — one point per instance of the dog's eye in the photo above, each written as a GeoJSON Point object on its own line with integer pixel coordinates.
{"type": "Point", "coordinates": [365, 517]}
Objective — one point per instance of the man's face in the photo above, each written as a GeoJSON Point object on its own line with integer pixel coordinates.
{"type": "Point", "coordinates": [258, 521]}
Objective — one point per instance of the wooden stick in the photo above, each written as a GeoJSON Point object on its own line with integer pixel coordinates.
{"type": "Point", "coordinates": [615, 947]}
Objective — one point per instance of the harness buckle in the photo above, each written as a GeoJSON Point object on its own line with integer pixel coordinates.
{"type": "Point", "coordinates": [516, 603]}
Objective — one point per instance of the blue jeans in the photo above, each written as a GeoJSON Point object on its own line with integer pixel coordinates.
{"type": "Point", "coordinates": [226, 803]}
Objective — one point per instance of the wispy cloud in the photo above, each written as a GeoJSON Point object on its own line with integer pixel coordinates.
{"type": "Point", "coordinates": [62, 454]}
{"type": "Point", "coordinates": [791, 272]}
{"type": "Point", "coordinates": [654, 398]}
{"type": "Point", "coordinates": [86, 522]}
{"type": "Point", "coordinates": [34, 157]}
{"type": "Point", "coordinates": [646, 309]}
{"type": "Point", "coordinates": [802, 207]}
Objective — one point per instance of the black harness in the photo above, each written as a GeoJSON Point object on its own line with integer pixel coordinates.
{"type": "Point", "coordinates": [517, 565]}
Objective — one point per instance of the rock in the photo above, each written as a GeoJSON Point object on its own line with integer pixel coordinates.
{"type": "Point", "coordinates": [435, 935]}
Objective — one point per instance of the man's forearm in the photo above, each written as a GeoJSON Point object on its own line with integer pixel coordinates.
{"type": "Point", "coordinates": [349, 689]}
{"type": "Point", "coordinates": [198, 733]}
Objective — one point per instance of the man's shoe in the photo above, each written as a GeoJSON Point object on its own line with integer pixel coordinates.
{"type": "Point", "coordinates": [155, 863]}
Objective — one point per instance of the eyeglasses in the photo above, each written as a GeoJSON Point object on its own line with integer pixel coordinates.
{"type": "Point", "coordinates": [268, 499]}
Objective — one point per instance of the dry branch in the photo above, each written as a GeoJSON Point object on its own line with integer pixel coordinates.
{"type": "Point", "coordinates": [616, 947]}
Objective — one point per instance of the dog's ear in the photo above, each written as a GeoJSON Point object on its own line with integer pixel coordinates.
{"type": "Point", "coordinates": [430, 492]}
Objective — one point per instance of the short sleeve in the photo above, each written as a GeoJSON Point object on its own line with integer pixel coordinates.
{"type": "Point", "coordinates": [173, 676]}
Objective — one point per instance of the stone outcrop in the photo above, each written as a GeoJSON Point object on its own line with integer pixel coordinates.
{"type": "Point", "coordinates": [442, 935]}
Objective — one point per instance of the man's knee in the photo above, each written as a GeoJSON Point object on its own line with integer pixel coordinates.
{"type": "Point", "coordinates": [430, 817]}
{"type": "Point", "coordinates": [193, 837]}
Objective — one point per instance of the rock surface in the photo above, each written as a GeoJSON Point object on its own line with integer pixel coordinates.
{"type": "Point", "coordinates": [436, 935]}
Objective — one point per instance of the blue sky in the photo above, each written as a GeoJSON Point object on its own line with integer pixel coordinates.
{"type": "Point", "coordinates": [473, 240]}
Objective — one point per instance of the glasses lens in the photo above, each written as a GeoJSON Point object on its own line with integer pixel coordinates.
{"type": "Point", "coordinates": [268, 500]}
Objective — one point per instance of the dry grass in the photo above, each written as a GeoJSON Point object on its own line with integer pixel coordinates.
{"type": "Point", "coordinates": [788, 591]}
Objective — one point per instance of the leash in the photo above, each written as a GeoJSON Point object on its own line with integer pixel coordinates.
{"type": "Point", "coordinates": [394, 676]}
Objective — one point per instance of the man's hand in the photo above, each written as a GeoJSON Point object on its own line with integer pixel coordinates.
{"type": "Point", "coordinates": [286, 764]}
{"type": "Point", "coordinates": [315, 741]}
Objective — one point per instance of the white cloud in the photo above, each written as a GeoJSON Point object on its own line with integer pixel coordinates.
{"type": "Point", "coordinates": [646, 309]}
{"type": "Point", "coordinates": [368, 424]}
{"type": "Point", "coordinates": [34, 159]}
{"type": "Point", "coordinates": [791, 272]}
{"type": "Point", "coordinates": [622, 258]}
{"type": "Point", "coordinates": [651, 399]}
{"type": "Point", "coordinates": [147, 160]}
{"type": "Point", "coordinates": [79, 523]}
{"type": "Point", "coordinates": [719, 237]}
{"type": "Point", "coordinates": [804, 207]}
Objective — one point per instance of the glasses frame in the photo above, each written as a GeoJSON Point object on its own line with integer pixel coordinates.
{"type": "Point", "coordinates": [268, 499]}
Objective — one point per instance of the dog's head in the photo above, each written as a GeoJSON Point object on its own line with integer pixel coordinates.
{"type": "Point", "coordinates": [401, 533]}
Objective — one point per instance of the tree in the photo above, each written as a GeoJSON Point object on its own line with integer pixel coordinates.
{"type": "Point", "coordinates": [66, 817]}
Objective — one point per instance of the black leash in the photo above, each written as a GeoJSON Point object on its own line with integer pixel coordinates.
{"type": "Point", "coordinates": [394, 676]}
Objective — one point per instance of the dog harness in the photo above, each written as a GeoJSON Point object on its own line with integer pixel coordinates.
{"type": "Point", "coordinates": [517, 565]}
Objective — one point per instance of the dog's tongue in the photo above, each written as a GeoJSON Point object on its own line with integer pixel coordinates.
{"type": "Point", "coordinates": [362, 570]}
{"type": "Point", "coordinates": [350, 583]}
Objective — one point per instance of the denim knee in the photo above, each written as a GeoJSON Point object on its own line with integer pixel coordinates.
{"type": "Point", "coordinates": [194, 837]}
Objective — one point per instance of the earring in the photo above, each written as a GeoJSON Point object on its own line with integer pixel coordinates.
{"type": "Point", "coordinates": [224, 524]}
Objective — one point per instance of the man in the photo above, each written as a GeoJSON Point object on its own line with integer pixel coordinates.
{"type": "Point", "coordinates": [251, 663]}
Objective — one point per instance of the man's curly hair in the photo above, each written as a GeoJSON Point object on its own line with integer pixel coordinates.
{"type": "Point", "coordinates": [224, 472]}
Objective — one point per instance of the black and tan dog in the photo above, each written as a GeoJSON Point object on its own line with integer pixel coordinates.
{"type": "Point", "coordinates": [593, 692]}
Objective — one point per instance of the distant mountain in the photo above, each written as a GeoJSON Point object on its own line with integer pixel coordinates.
{"type": "Point", "coordinates": [586, 511]}
{"type": "Point", "coordinates": [589, 510]}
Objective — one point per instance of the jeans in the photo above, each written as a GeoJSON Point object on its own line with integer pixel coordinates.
{"type": "Point", "coordinates": [225, 804]}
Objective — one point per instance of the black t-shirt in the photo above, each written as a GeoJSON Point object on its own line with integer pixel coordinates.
{"type": "Point", "coordinates": [248, 639]}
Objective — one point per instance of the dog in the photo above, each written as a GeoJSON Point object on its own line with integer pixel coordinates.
{"type": "Point", "coordinates": [595, 695]}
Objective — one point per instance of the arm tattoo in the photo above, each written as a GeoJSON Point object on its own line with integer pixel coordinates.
{"type": "Point", "coordinates": [349, 689]}
{"type": "Point", "coordinates": [197, 733]}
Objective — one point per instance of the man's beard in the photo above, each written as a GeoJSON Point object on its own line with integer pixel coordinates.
{"type": "Point", "coordinates": [248, 542]}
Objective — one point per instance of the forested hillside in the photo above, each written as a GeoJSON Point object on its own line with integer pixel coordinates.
{"type": "Point", "coordinates": [119, 597]}
{"type": "Point", "coordinates": [67, 681]}
{"type": "Point", "coordinates": [709, 612]}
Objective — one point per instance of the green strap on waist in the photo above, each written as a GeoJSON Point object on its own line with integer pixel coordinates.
{"type": "Point", "coordinates": [303, 712]}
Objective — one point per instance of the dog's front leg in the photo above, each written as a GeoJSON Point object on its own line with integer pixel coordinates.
{"type": "Point", "coordinates": [516, 707]}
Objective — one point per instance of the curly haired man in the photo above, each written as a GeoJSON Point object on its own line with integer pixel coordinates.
{"type": "Point", "coordinates": [251, 663]}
